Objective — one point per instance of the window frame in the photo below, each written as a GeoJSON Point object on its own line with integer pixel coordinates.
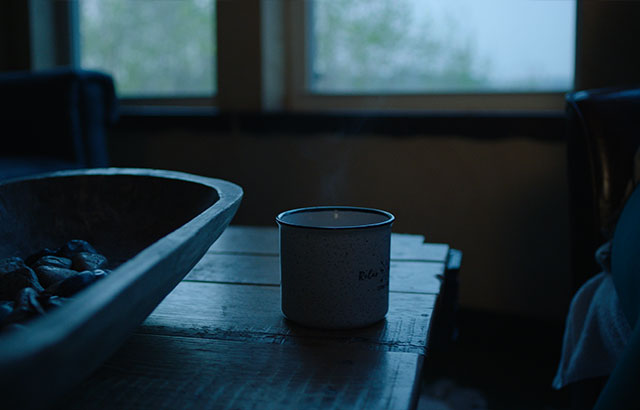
{"type": "Point", "coordinates": [170, 101]}
{"type": "Point", "coordinates": [290, 76]}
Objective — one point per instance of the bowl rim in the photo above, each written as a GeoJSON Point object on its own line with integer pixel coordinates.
{"type": "Point", "coordinates": [126, 284]}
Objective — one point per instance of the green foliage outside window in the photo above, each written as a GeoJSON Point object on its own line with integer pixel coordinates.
{"type": "Point", "coordinates": [152, 48]}
{"type": "Point", "coordinates": [373, 46]}
{"type": "Point", "coordinates": [167, 48]}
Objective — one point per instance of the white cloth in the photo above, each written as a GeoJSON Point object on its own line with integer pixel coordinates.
{"type": "Point", "coordinates": [596, 330]}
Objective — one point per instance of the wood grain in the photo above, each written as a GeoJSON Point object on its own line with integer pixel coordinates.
{"type": "Point", "coordinates": [248, 239]}
{"type": "Point", "coordinates": [434, 252]}
{"type": "Point", "coordinates": [159, 372]}
{"type": "Point", "coordinates": [219, 339]}
{"type": "Point", "coordinates": [405, 276]}
{"type": "Point", "coordinates": [252, 313]}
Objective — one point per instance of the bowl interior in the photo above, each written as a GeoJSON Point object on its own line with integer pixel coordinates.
{"type": "Point", "coordinates": [119, 215]}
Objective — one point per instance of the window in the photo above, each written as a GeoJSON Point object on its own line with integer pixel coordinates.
{"type": "Point", "coordinates": [157, 48]}
{"type": "Point", "coordinates": [440, 46]}
{"type": "Point", "coordinates": [336, 54]}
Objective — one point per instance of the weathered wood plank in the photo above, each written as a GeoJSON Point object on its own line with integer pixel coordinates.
{"type": "Point", "coordinates": [252, 313]}
{"type": "Point", "coordinates": [434, 252]}
{"type": "Point", "coordinates": [248, 239]}
{"type": "Point", "coordinates": [158, 372]}
{"type": "Point", "coordinates": [219, 340]}
{"type": "Point", "coordinates": [248, 269]}
{"type": "Point", "coordinates": [405, 276]}
{"type": "Point", "coordinates": [264, 241]}
{"type": "Point", "coordinates": [410, 276]}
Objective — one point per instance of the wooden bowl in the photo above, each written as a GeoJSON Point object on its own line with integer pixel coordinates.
{"type": "Point", "coordinates": [154, 225]}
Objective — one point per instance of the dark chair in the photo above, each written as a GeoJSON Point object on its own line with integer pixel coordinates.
{"type": "Point", "coordinates": [621, 390]}
{"type": "Point", "coordinates": [54, 119]}
{"type": "Point", "coordinates": [603, 136]}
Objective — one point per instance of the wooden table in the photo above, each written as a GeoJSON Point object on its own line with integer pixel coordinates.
{"type": "Point", "coordinates": [219, 340]}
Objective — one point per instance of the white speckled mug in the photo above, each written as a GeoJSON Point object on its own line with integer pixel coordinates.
{"type": "Point", "coordinates": [334, 265]}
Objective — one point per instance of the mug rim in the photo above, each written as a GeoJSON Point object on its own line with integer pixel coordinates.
{"type": "Point", "coordinates": [389, 215]}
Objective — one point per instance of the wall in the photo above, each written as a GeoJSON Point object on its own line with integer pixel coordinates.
{"type": "Point", "coordinates": [607, 31]}
{"type": "Point", "coordinates": [502, 202]}
{"type": "Point", "coordinates": [14, 35]}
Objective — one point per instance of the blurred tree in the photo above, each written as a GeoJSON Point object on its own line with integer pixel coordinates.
{"type": "Point", "coordinates": [152, 48]}
{"type": "Point", "coordinates": [168, 47]}
{"type": "Point", "coordinates": [374, 46]}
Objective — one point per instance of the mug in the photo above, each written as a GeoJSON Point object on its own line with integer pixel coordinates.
{"type": "Point", "coordinates": [334, 265]}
